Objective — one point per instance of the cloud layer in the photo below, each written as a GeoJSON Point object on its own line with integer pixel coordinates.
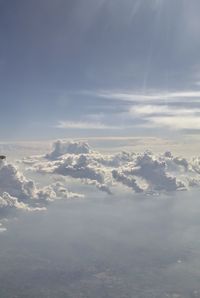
{"type": "Point", "coordinates": [142, 172]}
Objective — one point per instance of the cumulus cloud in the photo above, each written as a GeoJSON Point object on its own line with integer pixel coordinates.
{"type": "Point", "coordinates": [62, 147]}
{"type": "Point", "coordinates": [19, 193]}
{"type": "Point", "coordinates": [14, 183]}
{"type": "Point", "coordinates": [57, 191]}
{"type": "Point", "coordinates": [129, 181]}
{"type": "Point", "coordinates": [142, 172]}
{"type": "Point", "coordinates": [150, 169]}
{"type": "Point", "coordinates": [79, 167]}
{"type": "Point", "coordinates": [76, 159]}
{"type": "Point", "coordinates": [8, 202]}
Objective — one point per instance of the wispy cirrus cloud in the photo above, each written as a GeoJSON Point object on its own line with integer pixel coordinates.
{"type": "Point", "coordinates": [153, 110]}
{"type": "Point", "coordinates": [178, 110]}
{"type": "Point", "coordinates": [148, 110]}
{"type": "Point", "coordinates": [84, 125]}
{"type": "Point", "coordinates": [178, 122]}
{"type": "Point", "coordinates": [168, 116]}
{"type": "Point", "coordinates": [147, 96]}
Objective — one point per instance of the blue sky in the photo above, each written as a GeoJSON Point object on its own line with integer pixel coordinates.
{"type": "Point", "coordinates": [72, 68]}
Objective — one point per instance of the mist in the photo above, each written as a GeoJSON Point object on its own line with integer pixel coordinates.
{"type": "Point", "coordinates": [124, 246]}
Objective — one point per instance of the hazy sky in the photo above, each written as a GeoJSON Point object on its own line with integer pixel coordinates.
{"type": "Point", "coordinates": [106, 67]}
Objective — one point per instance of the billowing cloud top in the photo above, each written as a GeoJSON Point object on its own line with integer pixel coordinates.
{"type": "Point", "coordinates": [61, 147]}
{"type": "Point", "coordinates": [18, 192]}
{"type": "Point", "coordinates": [142, 172]}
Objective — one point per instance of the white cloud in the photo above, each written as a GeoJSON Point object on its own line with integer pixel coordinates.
{"type": "Point", "coordinates": [9, 202]}
{"type": "Point", "coordinates": [18, 192]}
{"type": "Point", "coordinates": [178, 122]}
{"type": "Point", "coordinates": [76, 159]}
{"type": "Point", "coordinates": [151, 169]}
{"type": "Point", "coordinates": [62, 147]}
{"type": "Point", "coordinates": [148, 110]}
{"type": "Point", "coordinates": [167, 116]}
{"type": "Point", "coordinates": [84, 125]}
{"type": "Point", "coordinates": [14, 183]}
{"type": "Point", "coordinates": [155, 109]}
{"type": "Point", "coordinates": [143, 172]}
{"type": "Point", "coordinates": [57, 191]}
{"type": "Point", "coordinates": [150, 96]}
{"type": "Point", "coordinates": [82, 166]}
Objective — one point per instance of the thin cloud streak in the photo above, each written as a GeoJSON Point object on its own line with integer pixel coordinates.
{"type": "Point", "coordinates": [84, 125]}
{"type": "Point", "coordinates": [178, 122]}
{"type": "Point", "coordinates": [167, 116]}
{"type": "Point", "coordinates": [151, 96]}
{"type": "Point", "coordinates": [148, 110]}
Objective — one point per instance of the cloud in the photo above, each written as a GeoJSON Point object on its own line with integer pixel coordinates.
{"type": "Point", "coordinates": [76, 159]}
{"type": "Point", "coordinates": [14, 183]}
{"type": "Point", "coordinates": [79, 167]}
{"type": "Point", "coordinates": [84, 125]}
{"type": "Point", "coordinates": [19, 193]}
{"type": "Point", "coordinates": [143, 172]}
{"type": "Point", "coordinates": [100, 186]}
{"type": "Point", "coordinates": [168, 116]}
{"type": "Point", "coordinates": [2, 229]}
{"type": "Point", "coordinates": [178, 122]}
{"type": "Point", "coordinates": [57, 191]}
{"type": "Point", "coordinates": [154, 96]}
{"type": "Point", "coordinates": [129, 181]}
{"type": "Point", "coordinates": [62, 147]}
{"type": "Point", "coordinates": [8, 202]}
{"type": "Point", "coordinates": [84, 167]}
{"type": "Point", "coordinates": [156, 110]}
{"type": "Point", "coordinates": [151, 169]}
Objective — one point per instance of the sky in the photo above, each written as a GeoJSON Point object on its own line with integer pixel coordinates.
{"type": "Point", "coordinates": [99, 132]}
{"type": "Point", "coordinates": [72, 68]}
